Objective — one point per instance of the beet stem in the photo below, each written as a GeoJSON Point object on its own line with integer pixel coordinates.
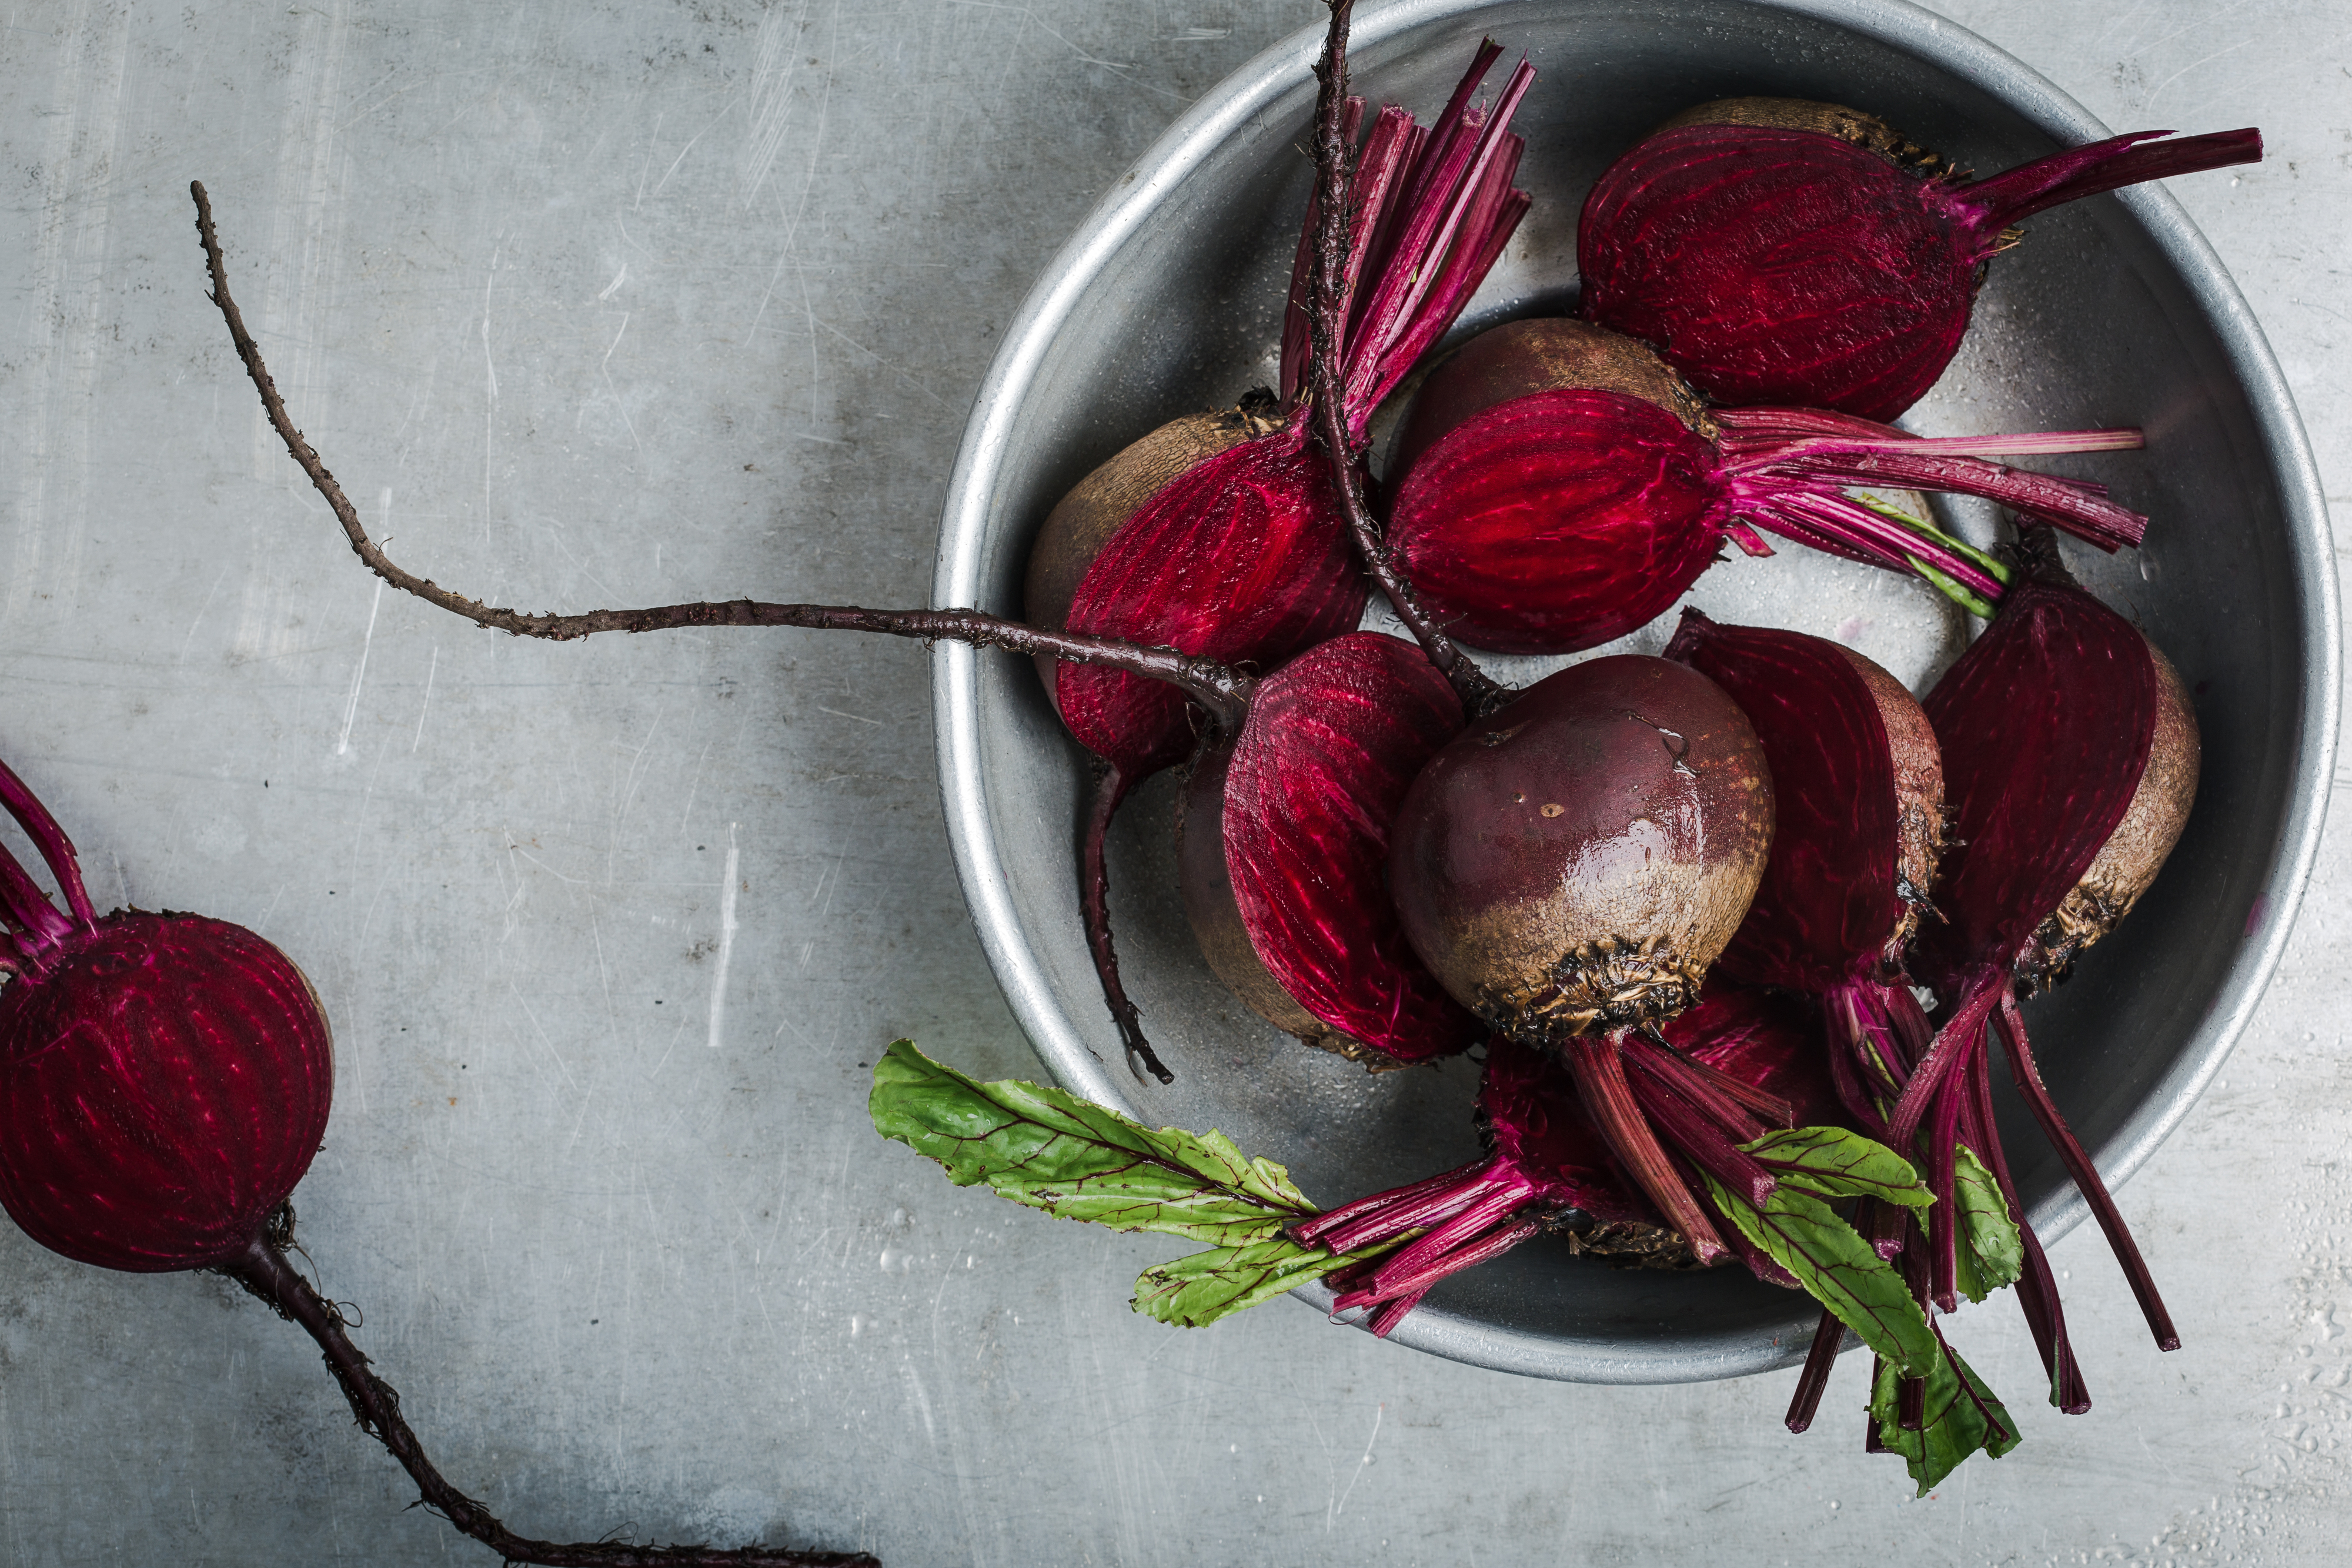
{"type": "Point", "coordinates": [1324, 1228]}
{"type": "Point", "coordinates": [1328, 323]}
{"type": "Point", "coordinates": [1829, 1338]}
{"type": "Point", "coordinates": [1995, 203]}
{"type": "Point", "coordinates": [1436, 1201]}
{"type": "Point", "coordinates": [2011, 1023]}
{"type": "Point", "coordinates": [1220, 689]}
{"type": "Point", "coordinates": [1453, 1246]}
{"type": "Point", "coordinates": [262, 1268]}
{"type": "Point", "coordinates": [24, 906]}
{"type": "Point", "coordinates": [1715, 1092]}
{"type": "Point", "coordinates": [1107, 790]}
{"type": "Point", "coordinates": [1690, 1130]}
{"type": "Point", "coordinates": [2037, 1287]}
{"type": "Point", "coordinates": [57, 849]}
{"type": "Point", "coordinates": [1600, 1073]}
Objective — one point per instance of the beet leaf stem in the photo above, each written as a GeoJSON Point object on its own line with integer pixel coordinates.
{"type": "Point", "coordinates": [2011, 1023]}
{"type": "Point", "coordinates": [1220, 689]}
{"type": "Point", "coordinates": [1328, 324]}
{"type": "Point", "coordinates": [263, 1269]}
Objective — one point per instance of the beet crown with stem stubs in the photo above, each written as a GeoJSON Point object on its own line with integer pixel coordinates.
{"type": "Point", "coordinates": [1571, 864]}
{"type": "Point", "coordinates": [164, 1082]}
{"type": "Point", "coordinates": [1781, 251]}
{"type": "Point", "coordinates": [1548, 1170]}
{"type": "Point", "coordinates": [1556, 486]}
{"type": "Point", "coordinates": [2070, 756]}
{"type": "Point", "coordinates": [1220, 533]}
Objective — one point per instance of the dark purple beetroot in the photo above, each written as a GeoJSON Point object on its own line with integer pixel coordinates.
{"type": "Point", "coordinates": [1283, 842]}
{"type": "Point", "coordinates": [1780, 251]}
{"type": "Point", "coordinates": [1548, 1170]}
{"type": "Point", "coordinates": [164, 1082]}
{"type": "Point", "coordinates": [2070, 757]}
{"type": "Point", "coordinates": [1556, 486]}
{"type": "Point", "coordinates": [1220, 534]}
{"type": "Point", "coordinates": [1571, 864]}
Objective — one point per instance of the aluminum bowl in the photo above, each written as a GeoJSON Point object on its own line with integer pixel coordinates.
{"type": "Point", "coordinates": [2115, 311]}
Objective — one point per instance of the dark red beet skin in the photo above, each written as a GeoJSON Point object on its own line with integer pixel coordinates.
{"type": "Point", "coordinates": [1777, 265]}
{"type": "Point", "coordinates": [1283, 843]}
{"type": "Point", "coordinates": [162, 1090]}
{"type": "Point", "coordinates": [1555, 487]}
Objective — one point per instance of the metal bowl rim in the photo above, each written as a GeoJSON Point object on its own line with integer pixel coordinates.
{"type": "Point", "coordinates": [1171, 160]}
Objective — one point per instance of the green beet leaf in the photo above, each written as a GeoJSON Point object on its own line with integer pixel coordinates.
{"type": "Point", "coordinates": [1838, 1267]}
{"type": "Point", "coordinates": [1193, 1291]}
{"type": "Point", "coordinates": [1048, 1149]}
{"type": "Point", "coordinates": [1833, 1162]}
{"type": "Point", "coordinates": [1988, 1252]}
{"type": "Point", "coordinates": [1961, 1417]}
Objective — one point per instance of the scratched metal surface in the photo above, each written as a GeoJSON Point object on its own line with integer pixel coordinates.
{"type": "Point", "coordinates": [629, 303]}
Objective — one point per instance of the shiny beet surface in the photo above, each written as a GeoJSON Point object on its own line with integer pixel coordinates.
{"type": "Point", "coordinates": [162, 1087]}
{"type": "Point", "coordinates": [1576, 858]}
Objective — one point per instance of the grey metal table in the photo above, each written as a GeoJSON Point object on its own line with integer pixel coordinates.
{"type": "Point", "coordinates": [623, 304]}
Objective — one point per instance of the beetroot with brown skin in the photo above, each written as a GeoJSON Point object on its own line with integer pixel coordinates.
{"type": "Point", "coordinates": [164, 1082]}
{"type": "Point", "coordinates": [1556, 486]}
{"type": "Point", "coordinates": [1220, 534]}
{"type": "Point", "coordinates": [1781, 251]}
{"type": "Point", "coordinates": [1283, 843]}
{"type": "Point", "coordinates": [1571, 864]}
{"type": "Point", "coordinates": [1548, 1169]}
{"type": "Point", "coordinates": [2069, 755]}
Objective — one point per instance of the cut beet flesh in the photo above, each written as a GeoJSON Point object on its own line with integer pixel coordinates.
{"type": "Point", "coordinates": [1794, 254]}
{"type": "Point", "coordinates": [1219, 535]}
{"type": "Point", "coordinates": [2064, 733]}
{"type": "Point", "coordinates": [1283, 846]}
{"type": "Point", "coordinates": [1858, 789]}
{"type": "Point", "coordinates": [1548, 1169]}
{"type": "Point", "coordinates": [164, 1082]}
{"type": "Point", "coordinates": [1555, 488]}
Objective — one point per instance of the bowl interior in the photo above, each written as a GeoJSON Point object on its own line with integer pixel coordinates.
{"type": "Point", "coordinates": [2110, 313]}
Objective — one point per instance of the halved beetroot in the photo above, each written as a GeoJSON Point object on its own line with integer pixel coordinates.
{"type": "Point", "coordinates": [1220, 534]}
{"type": "Point", "coordinates": [1781, 251]}
{"type": "Point", "coordinates": [1556, 486]}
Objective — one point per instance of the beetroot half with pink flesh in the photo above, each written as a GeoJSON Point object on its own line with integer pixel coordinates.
{"type": "Point", "coordinates": [1782, 252]}
{"type": "Point", "coordinates": [2070, 758]}
{"type": "Point", "coordinates": [1219, 535]}
{"type": "Point", "coordinates": [1548, 1168]}
{"type": "Point", "coordinates": [1283, 845]}
{"type": "Point", "coordinates": [1556, 486]}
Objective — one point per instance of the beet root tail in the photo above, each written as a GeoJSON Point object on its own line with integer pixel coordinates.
{"type": "Point", "coordinates": [263, 1270]}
